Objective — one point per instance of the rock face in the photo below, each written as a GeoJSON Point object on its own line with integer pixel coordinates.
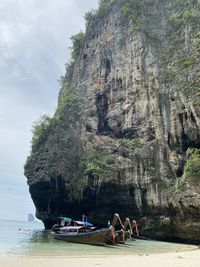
{"type": "Point", "coordinates": [123, 143]}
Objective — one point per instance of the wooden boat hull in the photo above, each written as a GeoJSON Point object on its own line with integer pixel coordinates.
{"type": "Point", "coordinates": [97, 237]}
{"type": "Point", "coordinates": [120, 237]}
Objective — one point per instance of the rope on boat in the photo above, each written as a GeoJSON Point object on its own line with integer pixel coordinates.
{"type": "Point", "coordinates": [113, 235]}
{"type": "Point", "coordinates": [112, 240]}
{"type": "Point", "coordinates": [136, 227]}
{"type": "Point", "coordinates": [142, 237]}
{"type": "Point", "coordinates": [120, 222]}
{"type": "Point", "coordinates": [131, 230]}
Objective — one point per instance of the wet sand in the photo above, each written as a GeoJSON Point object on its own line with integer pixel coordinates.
{"type": "Point", "coordinates": [175, 259]}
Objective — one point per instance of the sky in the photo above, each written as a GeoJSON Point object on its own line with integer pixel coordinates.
{"type": "Point", "coordinates": [34, 40]}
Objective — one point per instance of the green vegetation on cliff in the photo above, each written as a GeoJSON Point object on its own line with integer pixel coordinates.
{"type": "Point", "coordinates": [132, 9]}
{"type": "Point", "coordinates": [186, 12]}
{"type": "Point", "coordinates": [192, 167]}
{"type": "Point", "coordinates": [191, 175]}
{"type": "Point", "coordinates": [131, 143]}
{"type": "Point", "coordinates": [195, 84]}
{"type": "Point", "coordinates": [68, 98]}
{"type": "Point", "coordinates": [96, 162]}
{"type": "Point", "coordinates": [78, 41]}
{"type": "Point", "coordinates": [92, 16]}
{"type": "Point", "coordinates": [40, 129]}
{"type": "Point", "coordinates": [45, 123]}
{"type": "Point", "coordinates": [185, 19]}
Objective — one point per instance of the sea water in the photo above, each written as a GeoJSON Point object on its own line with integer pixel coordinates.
{"type": "Point", "coordinates": [29, 239]}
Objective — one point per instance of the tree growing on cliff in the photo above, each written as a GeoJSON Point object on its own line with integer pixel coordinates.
{"type": "Point", "coordinates": [192, 166]}
{"type": "Point", "coordinates": [39, 129]}
{"type": "Point", "coordinates": [77, 44]}
{"type": "Point", "coordinates": [96, 162]}
{"type": "Point", "coordinates": [67, 99]}
{"type": "Point", "coordinates": [92, 16]}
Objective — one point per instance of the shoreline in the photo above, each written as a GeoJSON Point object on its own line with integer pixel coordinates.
{"type": "Point", "coordinates": [189, 258]}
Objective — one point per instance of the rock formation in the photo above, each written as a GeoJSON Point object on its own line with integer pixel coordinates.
{"type": "Point", "coordinates": [126, 133]}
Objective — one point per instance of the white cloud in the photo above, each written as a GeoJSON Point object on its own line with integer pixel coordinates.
{"type": "Point", "coordinates": [34, 41]}
{"type": "Point", "coordinates": [2, 117]}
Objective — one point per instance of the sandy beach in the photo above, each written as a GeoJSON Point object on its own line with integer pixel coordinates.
{"type": "Point", "coordinates": [176, 259]}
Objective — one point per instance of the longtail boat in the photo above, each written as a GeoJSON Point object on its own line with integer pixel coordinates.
{"type": "Point", "coordinates": [84, 232]}
{"type": "Point", "coordinates": [79, 235]}
{"type": "Point", "coordinates": [80, 232]}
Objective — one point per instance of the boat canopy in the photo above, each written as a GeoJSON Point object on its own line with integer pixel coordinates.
{"type": "Point", "coordinates": [84, 223]}
{"type": "Point", "coordinates": [66, 219]}
{"type": "Point", "coordinates": [88, 224]}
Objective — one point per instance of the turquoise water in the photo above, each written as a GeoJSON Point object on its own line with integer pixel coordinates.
{"type": "Point", "coordinates": [32, 240]}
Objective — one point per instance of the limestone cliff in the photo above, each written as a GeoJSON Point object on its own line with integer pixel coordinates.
{"type": "Point", "coordinates": [126, 134]}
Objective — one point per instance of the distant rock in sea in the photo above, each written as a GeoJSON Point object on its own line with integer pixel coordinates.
{"type": "Point", "coordinates": [30, 217]}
